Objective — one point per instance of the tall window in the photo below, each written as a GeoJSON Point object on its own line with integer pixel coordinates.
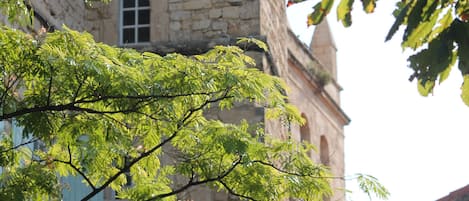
{"type": "Point", "coordinates": [135, 21]}
{"type": "Point", "coordinates": [324, 151]}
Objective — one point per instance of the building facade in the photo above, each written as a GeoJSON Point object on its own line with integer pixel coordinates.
{"type": "Point", "coordinates": [194, 26]}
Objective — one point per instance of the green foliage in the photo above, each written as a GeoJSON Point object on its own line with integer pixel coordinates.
{"type": "Point", "coordinates": [370, 185]}
{"type": "Point", "coordinates": [16, 11]}
{"type": "Point", "coordinates": [344, 12]}
{"type": "Point", "coordinates": [102, 112]}
{"type": "Point", "coordinates": [321, 76]}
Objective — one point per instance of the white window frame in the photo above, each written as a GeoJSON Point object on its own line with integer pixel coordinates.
{"type": "Point", "coordinates": [135, 26]}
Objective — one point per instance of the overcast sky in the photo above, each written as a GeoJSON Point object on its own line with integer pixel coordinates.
{"type": "Point", "coordinates": [416, 146]}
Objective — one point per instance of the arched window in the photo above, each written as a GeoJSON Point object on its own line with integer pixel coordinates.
{"type": "Point", "coordinates": [305, 134]}
{"type": "Point", "coordinates": [324, 150]}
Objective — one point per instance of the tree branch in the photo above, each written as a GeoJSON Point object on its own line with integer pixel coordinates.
{"type": "Point", "coordinates": [20, 145]}
{"type": "Point", "coordinates": [293, 173]}
{"type": "Point", "coordinates": [195, 183]}
{"type": "Point", "coordinates": [81, 173]}
{"type": "Point", "coordinates": [232, 192]}
{"type": "Point", "coordinates": [126, 167]}
{"type": "Point", "coordinates": [72, 105]}
{"type": "Point", "coordinates": [49, 92]}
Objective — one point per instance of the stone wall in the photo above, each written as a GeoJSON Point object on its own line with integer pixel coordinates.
{"type": "Point", "coordinates": [58, 13]}
{"type": "Point", "coordinates": [205, 19]}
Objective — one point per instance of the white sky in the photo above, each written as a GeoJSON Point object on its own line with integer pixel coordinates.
{"type": "Point", "coordinates": [416, 146]}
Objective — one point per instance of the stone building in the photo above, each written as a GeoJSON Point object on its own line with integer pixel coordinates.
{"type": "Point", "coordinates": [194, 26]}
{"type": "Point", "coordinates": [461, 194]}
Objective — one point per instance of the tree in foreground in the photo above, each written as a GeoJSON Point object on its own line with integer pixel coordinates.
{"type": "Point", "coordinates": [436, 31]}
{"type": "Point", "coordinates": [101, 113]}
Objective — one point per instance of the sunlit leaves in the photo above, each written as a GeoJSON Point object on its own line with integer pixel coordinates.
{"type": "Point", "coordinates": [465, 90]}
{"type": "Point", "coordinates": [320, 10]}
{"type": "Point", "coordinates": [102, 112]}
{"type": "Point", "coordinates": [369, 5]}
{"type": "Point", "coordinates": [370, 184]}
{"type": "Point", "coordinates": [344, 10]}
{"type": "Point", "coordinates": [439, 36]}
{"type": "Point", "coordinates": [16, 11]}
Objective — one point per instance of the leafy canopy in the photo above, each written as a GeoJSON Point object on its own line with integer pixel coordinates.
{"type": "Point", "coordinates": [437, 32]}
{"type": "Point", "coordinates": [102, 112]}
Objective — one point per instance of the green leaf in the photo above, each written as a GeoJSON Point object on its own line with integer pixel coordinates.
{"type": "Point", "coordinates": [445, 22]}
{"type": "Point", "coordinates": [400, 18]}
{"type": "Point", "coordinates": [344, 12]}
{"type": "Point", "coordinates": [465, 90]}
{"type": "Point", "coordinates": [369, 5]}
{"type": "Point", "coordinates": [444, 75]}
{"type": "Point", "coordinates": [420, 34]}
{"type": "Point", "coordinates": [320, 10]}
{"type": "Point", "coordinates": [414, 17]}
{"type": "Point", "coordinates": [425, 88]}
{"type": "Point", "coordinates": [370, 185]}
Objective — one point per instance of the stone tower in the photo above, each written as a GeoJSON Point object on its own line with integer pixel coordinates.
{"type": "Point", "coordinates": [194, 26]}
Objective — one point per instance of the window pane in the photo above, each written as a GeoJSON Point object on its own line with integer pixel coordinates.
{"type": "Point", "coordinates": [129, 17]}
{"type": "Point", "coordinates": [128, 36]}
{"type": "Point", "coordinates": [144, 17]}
{"type": "Point", "coordinates": [142, 3]}
{"type": "Point", "coordinates": [144, 34]}
{"type": "Point", "coordinates": [129, 3]}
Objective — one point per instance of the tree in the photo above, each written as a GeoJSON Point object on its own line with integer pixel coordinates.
{"type": "Point", "coordinates": [102, 112]}
{"type": "Point", "coordinates": [436, 31]}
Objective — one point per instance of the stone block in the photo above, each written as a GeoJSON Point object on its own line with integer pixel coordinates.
{"type": "Point", "coordinates": [200, 14]}
{"type": "Point", "coordinates": [231, 12]}
{"type": "Point", "coordinates": [249, 10]}
{"type": "Point", "coordinates": [235, 2]}
{"type": "Point", "coordinates": [180, 15]}
{"type": "Point", "coordinates": [201, 24]}
{"type": "Point", "coordinates": [196, 4]}
{"type": "Point", "coordinates": [175, 25]}
{"type": "Point", "coordinates": [175, 6]}
{"type": "Point", "coordinates": [215, 13]}
{"type": "Point", "coordinates": [220, 25]}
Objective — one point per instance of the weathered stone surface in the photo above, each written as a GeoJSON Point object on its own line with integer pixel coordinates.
{"type": "Point", "coordinates": [231, 12]}
{"type": "Point", "coordinates": [180, 15]}
{"type": "Point", "coordinates": [176, 6]}
{"type": "Point", "coordinates": [200, 24]}
{"type": "Point", "coordinates": [215, 13]}
{"type": "Point", "coordinates": [196, 4]}
{"type": "Point", "coordinates": [220, 25]}
{"type": "Point", "coordinates": [175, 25]}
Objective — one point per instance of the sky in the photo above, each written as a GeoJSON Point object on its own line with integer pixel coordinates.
{"type": "Point", "coordinates": [416, 146]}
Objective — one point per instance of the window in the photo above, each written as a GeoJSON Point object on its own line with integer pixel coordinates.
{"type": "Point", "coordinates": [135, 21]}
{"type": "Point", "coordinates": [324, 150]}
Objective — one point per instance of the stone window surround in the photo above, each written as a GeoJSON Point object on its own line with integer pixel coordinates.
{"type": "Point", "coordinates": [135, 26]}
